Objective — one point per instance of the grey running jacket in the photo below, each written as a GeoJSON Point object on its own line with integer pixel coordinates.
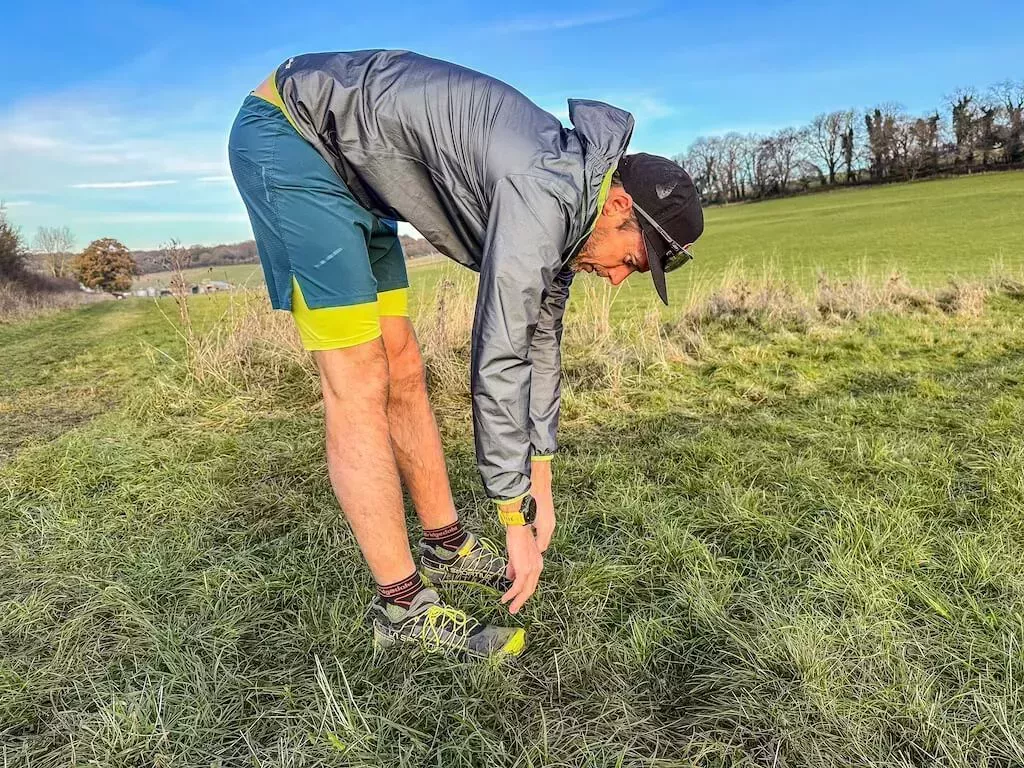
{"type": "Point", "coordinates": [493, 182]}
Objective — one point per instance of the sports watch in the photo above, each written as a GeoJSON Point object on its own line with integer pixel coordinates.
{"type": "Point", "coordinates": [525, 515]}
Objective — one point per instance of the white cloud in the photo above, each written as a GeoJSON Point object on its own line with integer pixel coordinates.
{"type": "Point", "coordinates": [124, 184]}
{"type": "Point", "coordinates": [555, 23]}
{"type": "Point", "coordinates": [27, 142]}
{"type": "Point", "coordinates": [116, 134]}
{"type": "Point", "coordinates": [14, 203]}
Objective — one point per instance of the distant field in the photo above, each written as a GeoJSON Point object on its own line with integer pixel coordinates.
{"type": "Point", "coordinates": [930, 231]}
{"type": "Point", "coordinates": [237, 274]}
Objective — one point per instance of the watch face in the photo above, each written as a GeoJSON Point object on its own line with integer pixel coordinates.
{"type": "Point", "coordinates": [529, 510]}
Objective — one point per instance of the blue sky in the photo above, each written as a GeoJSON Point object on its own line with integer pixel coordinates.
{"type": "Point", "coordinates": [114, 115]}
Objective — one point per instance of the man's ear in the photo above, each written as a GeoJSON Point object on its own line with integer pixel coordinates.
{"type": "Point", "coordinates": [619, 204]}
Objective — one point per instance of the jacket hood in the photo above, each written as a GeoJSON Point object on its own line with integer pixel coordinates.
{"type": "Point", "coordinates": [604, 131]}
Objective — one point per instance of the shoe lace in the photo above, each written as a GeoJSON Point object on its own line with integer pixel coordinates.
{"type": "Point", "coordinates": [489, 545]}
{"type": "Point", "coordinates": [490, 556]}
{"type": "Point", "coordinates": [442, 618]}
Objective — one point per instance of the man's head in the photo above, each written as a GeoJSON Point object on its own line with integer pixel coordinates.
{"type": "Point", "coordinates": [650, 218]}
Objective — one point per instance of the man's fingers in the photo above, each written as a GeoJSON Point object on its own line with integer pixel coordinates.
{"type": "Point", "coordinates": [525, 594]}
{"type": "Point", "coordinates": [523, 588]}
{"type": "Point", "coordinates": [515, 589]}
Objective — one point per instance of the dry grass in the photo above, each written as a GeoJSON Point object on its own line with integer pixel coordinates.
{"type": "Point", "coordinates": [255, 351]}
{"type": "Point", "coordinates": [32, 294]}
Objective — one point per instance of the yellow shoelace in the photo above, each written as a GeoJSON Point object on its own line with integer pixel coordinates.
{"type": "Point", "coordinates": [434, 625]}
{"type": "Point", "coordinates": [489, 545]}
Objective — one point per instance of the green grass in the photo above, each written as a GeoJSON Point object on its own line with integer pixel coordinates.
{"type": "Point", "coordinates": [242, 275]}
{"type": "Point", "coordinates": [799, 547]}
{"type": "Point", "coordinates": [930, 231]}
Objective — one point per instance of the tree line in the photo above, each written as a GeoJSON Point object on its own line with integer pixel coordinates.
{"type": "Point", "coordinates": [107, 264]}
{"type": "Point", "coordinates": [977, 130]}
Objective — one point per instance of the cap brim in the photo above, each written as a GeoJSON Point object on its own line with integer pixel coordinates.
{"type": "Point", "coordinates": [657, 269]}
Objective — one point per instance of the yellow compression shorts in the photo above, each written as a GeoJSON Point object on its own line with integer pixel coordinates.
{"type": "Point", "coordinates": [342, 327]}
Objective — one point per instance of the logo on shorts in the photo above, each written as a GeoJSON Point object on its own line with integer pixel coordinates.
{"type": "Point", "coordinates": [328, 257]}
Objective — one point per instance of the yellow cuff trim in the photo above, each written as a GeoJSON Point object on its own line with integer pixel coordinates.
{"type": "Point", "coordinates": [394, 303]}
{"type": "Point", "coordinates": [547, 457]}
{"type": "Point", "coordinates": [334, 327]}
{"type": "Point", "coordinates": [500, 502]}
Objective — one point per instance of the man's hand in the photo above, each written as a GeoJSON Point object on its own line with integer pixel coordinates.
{"type": "Point", "coordinates": [524, 565]}
{"type": "Point", "coordinates": [544, 523]}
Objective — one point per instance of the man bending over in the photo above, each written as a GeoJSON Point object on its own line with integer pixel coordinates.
{"type": "Point", "coordinates": [328, 153]}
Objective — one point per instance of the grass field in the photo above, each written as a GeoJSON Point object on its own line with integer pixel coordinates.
{"type": "Point", "coordinates": [785, 538]}
{"type": "Point", "coordinates": [240, 275]}
{"type": "Point", "coordinates": [930, 230]}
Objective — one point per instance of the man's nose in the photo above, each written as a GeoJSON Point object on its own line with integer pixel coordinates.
{"type": "Point", "coordinates": [617, 275]}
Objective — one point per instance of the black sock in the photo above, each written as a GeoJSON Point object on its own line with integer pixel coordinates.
{"type": "Point", "coordinates": [401, 592]}
{"type": "Point", "coordinates": [451, 537]}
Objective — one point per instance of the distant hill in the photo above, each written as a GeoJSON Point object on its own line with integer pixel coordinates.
{"type": "Point", "coordinates": [245, 253]}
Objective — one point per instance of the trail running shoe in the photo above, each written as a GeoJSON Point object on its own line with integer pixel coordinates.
{"type": "Point", "coordinates": [437, 628]}
{"type": "Point", "coordinates": [478, 562]}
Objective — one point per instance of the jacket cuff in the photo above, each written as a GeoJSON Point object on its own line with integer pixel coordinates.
{"type": "Point", "coordinates": [520, 497]}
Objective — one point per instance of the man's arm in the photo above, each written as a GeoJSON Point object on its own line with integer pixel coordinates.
{"type": "Point", "coordinates": [525, 234]}
{"type": "Point", "coordinates": [522, 253]}
{"type": "Point", "coordinates": [545, 401]}
{"type": "Point", "coordinates": [545, 353]}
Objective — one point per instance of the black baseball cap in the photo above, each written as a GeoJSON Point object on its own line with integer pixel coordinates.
{"type": "Point", "coordinates": [668, 210]}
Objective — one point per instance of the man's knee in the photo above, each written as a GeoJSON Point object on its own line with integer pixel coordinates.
{"type": "Point", "coordinates": [357, 376]}
{"type": "Point", "coordinates": [405, 362]}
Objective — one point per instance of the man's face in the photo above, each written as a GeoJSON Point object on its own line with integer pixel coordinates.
{"type": "Point", "coordinates": [615, 249]}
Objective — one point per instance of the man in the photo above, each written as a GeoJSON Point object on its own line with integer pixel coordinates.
{"type": "Point", "coordinates": [327, 154]}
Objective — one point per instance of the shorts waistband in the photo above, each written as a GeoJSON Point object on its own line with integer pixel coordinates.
{"type": "Point", "coordinates": [267, 91]}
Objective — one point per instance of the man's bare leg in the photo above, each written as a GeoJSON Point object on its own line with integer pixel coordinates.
{"type": "Point", "coordinates": [414, 434]}
{"type": "Point", "coordinates": [360, 456]}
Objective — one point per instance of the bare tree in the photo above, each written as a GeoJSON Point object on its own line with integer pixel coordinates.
{"type": "Point", "coordinates": [55, 244]}
{"type": "Point", "coordinates": [754, 156]}
{"type": "Point", "coordinates": [849, 144]}
{"type": "Point", "coordinates": [885, 140]}
{"type": "Point", "coordinates": [702, 157]}
{"type": "Point", "coordinates": [924, 134]}
{"type": "Point", "coordinates": [1009, 96]}
{"type": "Point", "coordinates": [825, 140]}
{"type": "Point", "coordinates": [784, 147]}
{"type": "Point", "coordinates": [986, 135]}
{"type": "Point", "coordinates": [964, 110]}
{"type": "Point", "coordinates": [730, 154]}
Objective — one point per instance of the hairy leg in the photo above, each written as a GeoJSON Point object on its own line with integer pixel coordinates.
{"type": "Point", "coordinates": [414, 432]}
{"type": "Point", "coordinates": [361, 458]}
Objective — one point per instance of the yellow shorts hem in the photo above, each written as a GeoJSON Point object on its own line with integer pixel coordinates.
{"type": "Point", "coordinates": [334, 327]}
{"type": "Point", "coordinates": [394, 303]}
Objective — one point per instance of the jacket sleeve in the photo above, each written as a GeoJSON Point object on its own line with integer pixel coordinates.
{"type": "Point", "coordinates": [546, 356]}
{"type": "Point", "coordinates": [526, 234]}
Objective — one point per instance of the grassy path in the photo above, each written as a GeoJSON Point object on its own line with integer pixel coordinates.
{"type": "Point", "coordinates": [803, 549]}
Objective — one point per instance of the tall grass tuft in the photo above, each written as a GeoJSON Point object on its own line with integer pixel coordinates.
{"type": "Point", "coordinates": [605, 346]}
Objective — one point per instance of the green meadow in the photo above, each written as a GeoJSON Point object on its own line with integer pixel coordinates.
{"type": "Point", "coordinates": [791, 518]}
